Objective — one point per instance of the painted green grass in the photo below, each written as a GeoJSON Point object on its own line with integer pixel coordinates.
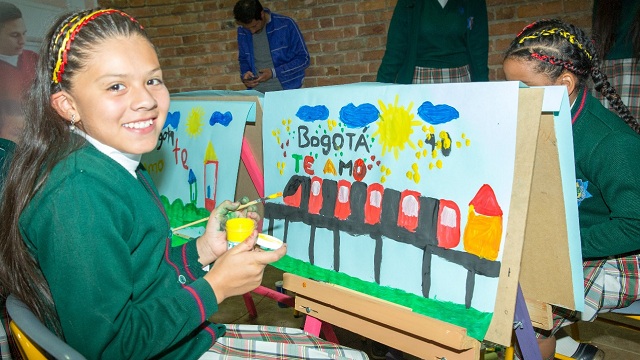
{"type": "Point", "coordinates": [476, 322]}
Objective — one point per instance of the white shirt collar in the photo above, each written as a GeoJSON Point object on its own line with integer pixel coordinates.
{"type": "Point", "coordinates": [13, 59]}
{"type": "Point", "coordinates": [129, 161]}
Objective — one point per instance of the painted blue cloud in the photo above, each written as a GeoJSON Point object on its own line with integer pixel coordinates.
{"type": "Point", "coordinates": [437, 114]}
{"type": "Point", "coordinates": [219, 118]}
{"type": "Point", "coordinates": [173, 119]}
{"type": "Point", "coordinates": [358, 116]}
{"type": "Point", "coordinates": [312, 113]}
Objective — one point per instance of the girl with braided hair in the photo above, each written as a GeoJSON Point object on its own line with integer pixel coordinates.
{"type": "Point", "coordinates": [86, 243]}
{"type": "Point", "coordinates": [551, 52]}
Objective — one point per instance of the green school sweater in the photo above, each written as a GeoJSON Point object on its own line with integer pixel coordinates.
{"type": "Point", "coordinates": [121, 292]}
{"type": "Point", "coordinates": [607, 172]}
{"type": "Point", "coordinates": [422, 33]}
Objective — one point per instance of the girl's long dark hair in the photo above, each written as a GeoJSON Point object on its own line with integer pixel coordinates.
{"type": "Point", "coordinates": [554, 47]}
{"type": "Point", "coordinates": [45, 141]}
{"type": "Point", "coordinates": [606, 20]}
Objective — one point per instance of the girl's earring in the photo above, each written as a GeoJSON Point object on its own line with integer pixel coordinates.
{"type": "Point", "coordinates": [72, 127]}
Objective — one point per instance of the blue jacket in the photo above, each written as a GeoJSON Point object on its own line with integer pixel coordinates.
{"type": "Point", "coordinates": [288, 51]}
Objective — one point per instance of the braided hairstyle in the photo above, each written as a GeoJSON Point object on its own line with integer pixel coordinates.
{"type": "Point", "coordinates": [66, 51]}
{"type": "Point", "coordinates": [557, 47]}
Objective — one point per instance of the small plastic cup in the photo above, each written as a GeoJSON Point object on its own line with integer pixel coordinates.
{"type": "Point", "coordinates": [238, 230]}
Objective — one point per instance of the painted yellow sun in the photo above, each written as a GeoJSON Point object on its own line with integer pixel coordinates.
{"type": "Point", "coordinates": [195, 122]}
{"type": "Point", "coordinates": [395, 127]}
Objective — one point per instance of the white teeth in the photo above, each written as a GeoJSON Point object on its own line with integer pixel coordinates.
{"type": "Point", "coordinates": [139, 124]}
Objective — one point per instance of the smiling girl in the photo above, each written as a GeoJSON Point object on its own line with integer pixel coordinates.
{"type": "Point", "coordinates": [86, 241]}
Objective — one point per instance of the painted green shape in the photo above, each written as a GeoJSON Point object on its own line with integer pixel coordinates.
{"type": "Point", "coordinates": [476, 322]}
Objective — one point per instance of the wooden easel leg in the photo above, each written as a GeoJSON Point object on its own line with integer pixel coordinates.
{"type": "Point", "coordinates": [329, 334]}
{"type": "Point", "coordinates": [265, 291]}
{"type": "Point", "coordinates": [251, 306]}
{"type": "Point", "coordinates": [524, 330]}
{"type": "Point", "coordinates": [275, 295]}
{"type": "Point", "coordinates": [314, 327]}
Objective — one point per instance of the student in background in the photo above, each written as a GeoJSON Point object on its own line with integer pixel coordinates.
{"type": "Point", "coordinates": [436, 41]}
{"type": "Point", "coordinates": [17, 70]}
{"type": "Point", "coordinates": [551, 52]}
{"type": "Point", "coordinates": [17, 65]}
{"type": "Point", "coordinates": [86, 241]}
{"type": "Point", "coordinates": [11, 120]}
{"type": "Point", "coordinates": [616, 30]}
{"type": "Point", "coordinates": [271, 50]}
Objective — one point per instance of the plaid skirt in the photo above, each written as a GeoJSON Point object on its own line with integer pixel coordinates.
{"type": "Point", "coordinates": [271, 342]}
{"type": "Point", "coordinates": [624, 76]}
{"type": "Point", "coordinates": [608, 285]}
{"type": "Point", "coordinates": [423, 75]}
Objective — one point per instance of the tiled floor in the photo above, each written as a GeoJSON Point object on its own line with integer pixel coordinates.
{"type": "Point", "coordinates": [619, 343]}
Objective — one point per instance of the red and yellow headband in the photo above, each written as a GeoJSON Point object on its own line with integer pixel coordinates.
{"type": "Point", "coordinates": [68, 33]}
{"type": "Point", "coordinates": [547, 32]}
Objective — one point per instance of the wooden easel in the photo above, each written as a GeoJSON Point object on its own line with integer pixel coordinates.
{"type": "Point", "coordinates": [533, 235]}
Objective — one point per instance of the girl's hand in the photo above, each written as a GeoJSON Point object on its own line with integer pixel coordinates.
{"type": "Point", "coordinates": [213, 243]}
{"type": "Point", "coordinates": [240, 269]}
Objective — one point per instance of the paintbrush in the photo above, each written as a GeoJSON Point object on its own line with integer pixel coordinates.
{"type": "Point", "coordinates": [243, 206]}
{"type": "Point", "coordinates": [262, 199]}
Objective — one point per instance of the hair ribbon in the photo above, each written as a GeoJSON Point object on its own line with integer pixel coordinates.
{"type": "Point", "coordinates": [68, 33]}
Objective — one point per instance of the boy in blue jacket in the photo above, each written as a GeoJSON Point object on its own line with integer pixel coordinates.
{"type": "Point", "coordinates": [271, 50]}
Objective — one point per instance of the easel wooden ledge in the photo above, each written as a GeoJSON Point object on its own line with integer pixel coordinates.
{"type": "Point", "coordinates": [380, 320]}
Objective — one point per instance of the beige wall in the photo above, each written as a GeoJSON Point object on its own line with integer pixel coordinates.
{"type": "Point", "coordinates": [346, 39]}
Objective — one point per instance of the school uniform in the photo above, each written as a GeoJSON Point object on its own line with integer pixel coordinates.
{"type": "Point", "coordinates": [428, 43]}
{"type": "Point", "coordinates": [620, 64]}
{"type": "Point", "coordinates": [16, 79]}
{"type": "Point", "coordinates": [607, 172]}
{"type": "Point", "coordinates": [99, 233]}
{"type": "Point", "coordinates": [116, 294]}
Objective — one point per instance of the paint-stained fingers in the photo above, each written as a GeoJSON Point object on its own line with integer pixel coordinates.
{"type": "Point", "coordinates": [254, 216]}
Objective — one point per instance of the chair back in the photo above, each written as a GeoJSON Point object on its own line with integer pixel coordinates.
{"type": "Point", "coordinates": [27, 349]}
{"type": "Point", "coordinates": [35, 340]}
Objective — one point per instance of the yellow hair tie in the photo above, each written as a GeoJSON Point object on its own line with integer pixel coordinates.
{"type": "Point", "coordinates": [565, 34]}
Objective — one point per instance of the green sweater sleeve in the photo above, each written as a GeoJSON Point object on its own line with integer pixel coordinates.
{"type": "Point", "coordinates": [101, 242]}
{"type": "Point", "coordinates": [478, 41]}
{"type": "Point", "coordinates": [398, 42]}
{"type": "Point", "coordinates": [615, 178]}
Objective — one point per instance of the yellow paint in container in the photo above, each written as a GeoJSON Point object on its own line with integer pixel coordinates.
{"type": "Point", "coordinates": [238, 230]}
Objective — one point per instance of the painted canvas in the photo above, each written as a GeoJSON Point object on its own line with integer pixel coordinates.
{"type": "Point", "coordinates": [198, 152]}
{"type": "Point", "coordinates": [405, 186]}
